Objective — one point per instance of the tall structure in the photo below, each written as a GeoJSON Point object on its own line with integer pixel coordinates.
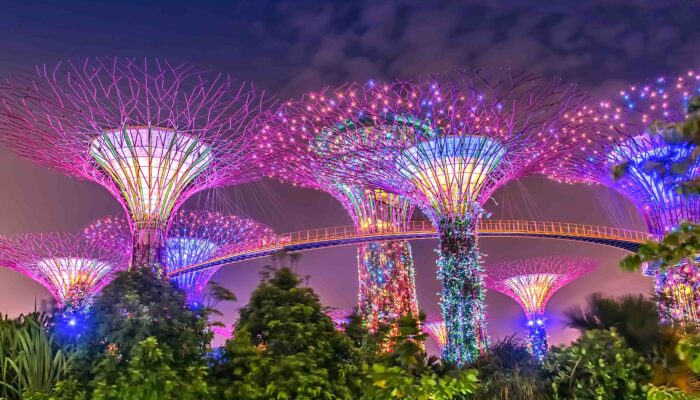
{"type": "Point", "coordinates": [385, 268]}
{"type": "Point", "coordinates": [340, 318]}
{"type": "Point", "coordinates": [444, 144]}
{"type": "Point", "coordinates": [195, 237]}
{"type": "Point", "coordinates": [435, 328]}
{"type": "Point", "coordinates": [620, 132]}
{"type": "Point", "coordinates": [531, 283]}
{"type": "Point", "coordinates": [72, 268]}
{"type": "Point", "coordinates": [151, 133]}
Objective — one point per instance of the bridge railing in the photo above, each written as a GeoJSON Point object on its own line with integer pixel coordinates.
{"type": "Point", "coordinates": [506, 227]}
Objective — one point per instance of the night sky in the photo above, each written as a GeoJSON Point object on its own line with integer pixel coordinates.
{"type": "Point", "coordinates": [289, 47]}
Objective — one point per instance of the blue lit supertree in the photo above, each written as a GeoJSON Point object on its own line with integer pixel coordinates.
{"type": "Point", "coordinates": [622, 131]}
{"type": "Point", "coordinates": [195, 237]}
{"type": "Point", "coordinates": [531, 283]}
{"type": "Point", "coordinates": [446, 144]}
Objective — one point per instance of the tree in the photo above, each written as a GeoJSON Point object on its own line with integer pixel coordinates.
{"type": "Point", "coordinates": [633, 316]}
{"type": "Point", "coordinates": [286, 347]}
{"type": "Point", "coordinates": [408, 373]}
{"type": "Point", "coordinates": [141, 338]}
{"type": "Point", "coordinates": [599, 365]}
{"type": "Point", "coordinates": [508, 371]}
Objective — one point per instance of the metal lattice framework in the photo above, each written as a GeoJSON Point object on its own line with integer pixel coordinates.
{"type": "Point", "coordinates": [446, 144]}
{"type": "Point", "coordinates": [198, 236]}
{"type": "Point", "coordinates": [150, 132]}
{"type": "Point", "coordinates": [619, 131]}
{"type": "Point", "coordinates": [72, 268]}
{"type": "Point", "coordinates": [385, 269]}
{"type": "Point", "coordinates": [531, 283]}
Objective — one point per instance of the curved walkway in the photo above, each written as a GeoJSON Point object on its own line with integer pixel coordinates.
{"type": "Point", "coordinates": [345, 235]}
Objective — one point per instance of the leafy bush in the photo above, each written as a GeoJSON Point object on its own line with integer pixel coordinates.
{"type": "Point", "coordinates": [509, 372]}
{"type": "Point", "coordinates": [598, 366]}
{"type": "Point", "coordinates": [31, 360]}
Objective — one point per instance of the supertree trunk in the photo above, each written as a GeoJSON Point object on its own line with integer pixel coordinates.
{"type": "Point", "coordinates": [463, 293]}
{"type": "Point", "coordinates": [537, 335]}
{"type": "Point", "coordinates": [148, 249]}
{"type": "Point", "coordinates": [387, 282]}
{"type": "Point", "coordinates": [678, 292]}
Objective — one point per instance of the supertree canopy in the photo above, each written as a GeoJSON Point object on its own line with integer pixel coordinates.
{"type": "Point", "coordinates": [150, 132]}
{"type": "Point", "coordinates": [622, 131]}
{"type": "Point", "coordinates": [385, 268]}
{"type": "Point", "coordinates": [195, 237]}
{"type": "Point", "coordinates": [71, 267]}
{"type": "Point", "coordinates": [435, 327]}
{"type": "Point", "coordinates": [446, 145]}
{"type": "Point", "coordinates": [531, 283]}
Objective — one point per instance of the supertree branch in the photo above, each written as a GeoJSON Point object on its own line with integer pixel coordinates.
{"type": "Point", "coordinates": [72, 268]}
{"type": "Point", "coordinates": [446, 144]}
{"type": "Point", "coordinates": [385, 269]}
{"type": "Point", "coordinates": [531, 283]}
{"type": "Point", "coordinates": [149, 132]}
{"type": "Point", "coordinates": [198, 236]}
{"type": "Point", "coordinates": [435, 327]}
{"type": "Point", "coordinates": [622, 135]}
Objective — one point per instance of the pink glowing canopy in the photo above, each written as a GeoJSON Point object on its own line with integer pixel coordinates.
{"type": "Point", "coordinates": [532, 282]}
{"type": "Point", "coordinates": [446, 143]}
{"type": "Point", "coordinates": [150, 132]}
{"type": "Point", "coordinates": [70, 266]}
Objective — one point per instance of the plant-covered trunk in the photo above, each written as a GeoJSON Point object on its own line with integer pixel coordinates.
{"type": "Point", "coordinates": [678, 291]}
{"type": "Point", "coordinates": [537, 335]}
{"type": "Point", "coordinates": [463, 293]}
{"type": "Point", "coordinates": [387, 282]}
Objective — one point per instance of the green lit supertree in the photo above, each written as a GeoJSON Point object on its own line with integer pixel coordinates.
{"type": "Point", "coordinates": [446, 144]}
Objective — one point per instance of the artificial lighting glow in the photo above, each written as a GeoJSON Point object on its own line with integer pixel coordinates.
{"type": "Point", "coordinates": [533, 290]}
{"type": "Point", "coordinates": [72, 277]}
{"type": "Point", "coordinates": [450, 171]}
{"type": "Point", "coordinates": [152, 166]}
{"type": "Point", "coordinates": [185, 251]}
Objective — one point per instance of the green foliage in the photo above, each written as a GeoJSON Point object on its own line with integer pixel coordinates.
{"type": "Point", "coordinates": [286, 347]}
{"type": "Point", "coordinates": [598, 366]}
{"type": "Point", "coordinates": [142, 341]}
{"type": "Point", "coordinates": [31, 360]}
{"type": "Point", "coordinates": [681, 244]}
{"type": "Point", "coordinates": [407, 372]}
{"type": "Point", "coordinates": [688, 350]}
{"type": "Point", "coordinates": [634, 317]}
{"type": "Point", "coordinates": [666, 393]}
{"type": "Point", "coordinates": [509, 372]}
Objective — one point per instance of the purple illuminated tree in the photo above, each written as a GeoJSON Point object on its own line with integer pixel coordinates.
{"type": "Point", "coordinates": [385, 268]}
{"type": "Point", "coordinates": [150, 132]}
{"type": "Point", "coordinates": [196, 237]}
{"type": "Point", "coordinates": [72, 268]}
{"type": "Point", "coordinates": [446, 145]}
{"type": "Point", "coordinates": [621, 132]}
{"type": "Point", "coordinates": [531, 283]}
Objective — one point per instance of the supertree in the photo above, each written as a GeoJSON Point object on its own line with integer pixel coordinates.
{"type": "Point", "coordinates": [150, 132]}
{"type": "Point", "coordinates": [385, 268]}
{"type": "Point", "coordinates": [71, 267]}
{"type": "Point", "coordinates": [446, 144]}
{"type": "Point", "coordinates": [435, 327]}
{"type": "Point", "coordinates": [531, 283]}
{"type": "Point", "coordinates": [194, 237]}
{"type": "Point", "coordinates": [340, 317]}
{"type": "Point", "coordinates": [198, 236]}
{"type": "Point", "coordinates": [621, 132]}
